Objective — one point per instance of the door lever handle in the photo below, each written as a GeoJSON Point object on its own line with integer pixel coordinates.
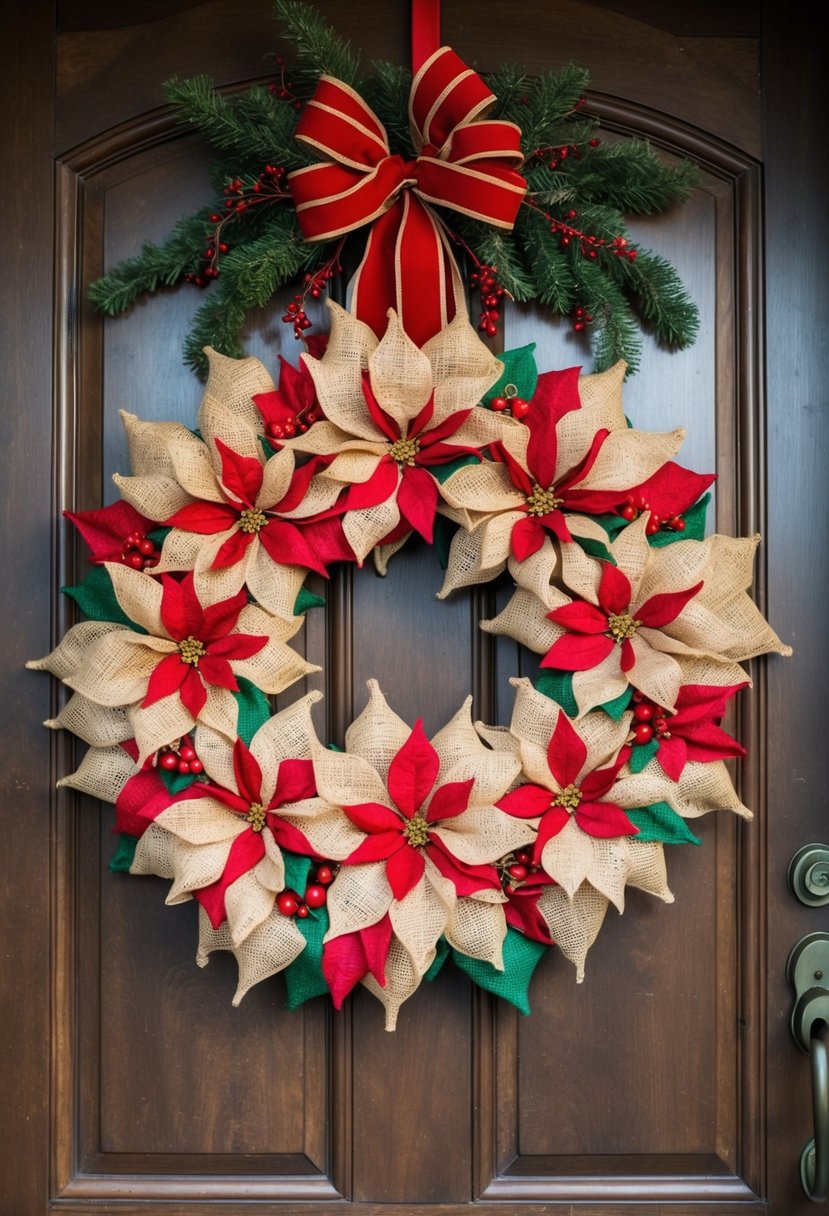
{"type": "Point", "coordinates": [808, 972]}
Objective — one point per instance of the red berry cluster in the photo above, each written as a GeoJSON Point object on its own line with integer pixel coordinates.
{"type": "Point", "coordinates": [315, 285]}
{"type": "Point", "coordinates": [180, 758]}
{"type": "Point", "coordinates": [516, 869]}
{"type": "Point", "coordinates": [281, 87]}
{"type": "Point", "coordinates": [510, 403]}
{"type": "Point", "coordinates": [485, 280]}
{"type": "Point", "coordinates": [139, 552]}
{"type": "Point", "coordinates": [290, 903]}
{"type": "Point", "coordinates": [581, 318]}
{"type": "Point", "coordinates": [649, 719]}
{"type": "Point", "coordinates": [268, 187]}
{"type": "Point", "coordinates": [287, 427]}
{"type": "Point", "coordinates": [636, 504]}
{"type": "Point", "coordinates": [553, 157]}
{"type": "Point", "coordinates": [589, 244]}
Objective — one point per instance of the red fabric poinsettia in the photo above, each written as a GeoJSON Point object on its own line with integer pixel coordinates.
{"type": "Point", "coordinates": [404, 838]}
{"type": "Point", "coordinates": [289, 542]}
{"type": "Point", "coordinates": [593, 632]}
{"type": "Point", "coordinates": [693, 732]}
{"type": "Point", "coordinates": [108, 529]}
{"type": "Point", "coordinates": [294, 402]}
{"type": "Point", "coordinates": [521, 909]}
{"type": "Point", "coordinates": [582, 798]}
{"type": "Point", "coordinates": [667, 494]}
{"type": "Point", "coordinates": [206, 645]}
{"type": "Point", "coordinates": [350, 957]}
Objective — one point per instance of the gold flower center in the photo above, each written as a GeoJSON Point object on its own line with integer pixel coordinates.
{"type": "Point", "coordinates": [257, 816]}
{"type": "Point", "coordinates": [621, 626]}
{"type": "Point", "coordinates": [542, 502]}
{"type": "Point", "coordinates": [569, 798]}
{"type": "Point", "coordinates": [252, 519]}
{"type": "Point", "coordinates": [404, 451]}
{"type": "Point", "coordinates": [416, 831]}
{"type": "Point", "coordinates": [191, 650]}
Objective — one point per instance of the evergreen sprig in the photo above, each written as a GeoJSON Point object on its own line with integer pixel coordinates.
{"type": "Point", "coordinates": [569, 249]}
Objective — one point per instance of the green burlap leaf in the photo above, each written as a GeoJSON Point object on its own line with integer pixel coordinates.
{"type": "Point", "coordinates": [612, 524]}
{"type": "Point", "coordinates": [307, 599]}
{"type": "Point", "coordinates": [618, 705]}
{"type": "Point", "coordinates": [96, 599]}
{"type": "Point", "coordinates": [176, 782]}
{"type": "Point", "coordinates": [595, 548]}
{"type": "Point", "coordinates": [520, 370]}
{"type": "Point", "coordinates": [123, 856]}
{"type": "Point", "coordinates": [660, 823]}
{"type": "Point", "coordinates": [303, 977]}
{"type": "Point", "coordinates": [694, 529]}
{"type": "Point", "coordinates": [445, 529]}
{"type": "Point", "coordinates": [521, 956]}
{"type": "Point", "coordinates": [558, 686]}
{"type": "Point", "coordinates": [442, 952]}
{"type": "Point", "coordinates": [158, 536]}
{"type": "Point", "coordinates": [642, 755]}
{"type": "Point", "coordinates": [254, 709]}
{"type": "Point", "coordinates": [442, 472]}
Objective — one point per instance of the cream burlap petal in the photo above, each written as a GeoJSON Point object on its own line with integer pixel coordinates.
{"type": "Point", "coordinates": [201, 821]}
{"type": "Point", "coordinates": [103, 773]}
{"type": "Point", "coordinates": [534, 716]}
{"type": "Point", "coordinates": [220, 710]}
{"type": "Point", "coordinates": [247, 903]}
{"type": "Point", "coordinates": [647, 868]}
{"type": "Point", "coordinates": [420, 917]}
{"type": "Point", "coordinates": [181, 550]}
{"type": "Point", "coordinates": [463, 367]}
{"type": "Point", "coordinates": [321, 495]}
{"type": "Point", "coordinates": [364, 529]}
{"type": "Point", "coordinates": [197, 469]}
{"type": "Point", "coordinates": [270, 948]}
{"type": "Point", "coordinates": [276, 477]}
{"type": "Point", "coordinates": [535, 572]}
{"type": "Point", "coordinates": [328, 830]}
{"type": "Point", "coordinates": [478, 930]}
{"type": "Point", "coordinates": [465, 567]}
{"type": "Point", "coordinates": [196, 866]}
{"type": "Point", "coordinates": [628, 457]}
{"type": "Point", "coordinates": [343, 777]}
{"type": "Point", "coordinates": [149, 446]}
{"type": "Point", "coordinates": [498, 738]}
{"type": "Point", "coordinates": [358, 898]}
{"type": "Point", "coordinates": [378, 733]}
{"type": "Point", "coordinates": [585, 527]}
{"type": "Point", "coordinates": [155, 853]}
{"type": "Point", "coordinates": [402, 981]}
{"type": "Point", "coordinates": [484, 427]}
{"type": "Point", "coordinates": [484, 488]}
{"type": "Point", "coordinates": [274, 585]}
{"type": "Point", "coordinates": [326, 439]}
{"type": "Point", "coordinates": [610, 868]}
{"type": "Point", "coordinates": [276, 666]}
{"type": "Point", "coordinates": [215, 751]}
{"type": "Point", "coordinates": [218, 421]}
{"type": "Point", "coordinates": [118, 666]}
{"type": "Point", "coordinates": [483, 834]}
{"type": "Point", "coordinates": [338, 375]}
{"type": "Point", "coordinates": [163, 723]}
{"type": "Point", "coordinates": [222, 583]}
{"type": "Point", "coordinates": [156, 497]}
{"type": "Point", "coordinates": [463, 755]}
{"type": "Point", "coordinates": [707, 787]}
{"type": "Point", "coordinates": [525, 619]}
{"type": "Point", "coordinates": [286, 735]}
{"type": "Point", "coordinates": [655, 673]}
{"type": "Point", "coordinates": [355, 464]}
{"type": "Point", "coordinates": [384, 553]}
{"type": "Point", "coordinates": [574, 924]}
{"type": "Point", "coordinates": [232, 384]}
{"type": "Point", "coordinates": [580, 573]}
{"type": "Point", "coordinates": [401, 375]}
{"type": "Point", "coordinates": [601, 407]}
{"type": "Point", "coordinates": [643, 789]}
{"type": "Point", "coordinates": [603, 683]}
{"type": "Point", "coordinates": [70, 653]}
{"type": "Point", "coordinates": [568, 857]}
{"type": "Point", "coordinates": [457, 740]}
{"type": "Point", "coordinates": [139, 596]}
{"type": "Point", "coordinates": [98, 725]}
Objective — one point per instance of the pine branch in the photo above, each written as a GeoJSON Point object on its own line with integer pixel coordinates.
{"type": "Point", "coordinates": [615, 334]}
{"type": "Point", "coordinates": [254, 126]}
{"type": "Point", "coordinates": [217, 322]}
{"type": "Point", "coordinates": [629, 176]}
{"type": "Point", "coordinates": [550, 99]}
{"type": "Point", "coordinates": [156, 266]}
{"type": "Point", "coordinates": [318, 48]}
{"type": "Point", "coordinates": [510, 84]}
{"type": "Point", "coordinates": [551, 268]}
{"type": "Point", "coordinates": [387, 92]}
{"type": "Point", "coordinates": [498, 249]}
{"type": "Point", "coordinates": [660, 297]}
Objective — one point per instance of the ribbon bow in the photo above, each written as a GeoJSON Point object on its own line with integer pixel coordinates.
{"type": "Point", "coordinates": [465, 162]}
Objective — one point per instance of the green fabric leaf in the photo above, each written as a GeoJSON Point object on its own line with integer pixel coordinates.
{"type": "Point", "coordinates": [303, 977]}
{"type": "Point", "coordinates": [618, 705]}
{"type": "Point", "coordinates": [96, 599]}
{"type": "Point", "coordinates": [659, 822]}
{"type": "Point", "coordinates": [176, 782]}
{"type": "Point", "coordinates": [694, 518]}
{"type": "Point", "coordinates": [442, 952]}
{"type": "Point", "coordinates": [595, 548]}
{"type": "Point", "coordinates": [307, 599]}
{"type": "Point", "coordinates": [642, 755]}
{"type": "Point", "coordinates": [519, 369]}
{"type": "Point", "coordinates": [254, 709]}
{"type": "Point", "coordinates": [612, 524]}
{"type": "Point", "coordinates": [442, 472]}
{"type": "Point", "coordinates": [158, 536]}
{"type": "Point", "coordinates": [445, 529]}
{"type": "Point", "coordinates": [521, 956]}
{"type": "Point", "coordinates": [122, 858]}
{"type": "Point", "coordinates": [558, 686]}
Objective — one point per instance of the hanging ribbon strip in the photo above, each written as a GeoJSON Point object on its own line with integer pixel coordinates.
{"type": "Point", "coordinates": [465, 162]}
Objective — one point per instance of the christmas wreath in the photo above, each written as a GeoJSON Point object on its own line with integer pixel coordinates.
{"type": "Point", "coordinates": [375, 863]}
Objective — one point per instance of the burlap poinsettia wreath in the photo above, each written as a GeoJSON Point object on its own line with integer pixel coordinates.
{"type": "Point", "coordinates": [374, 864]}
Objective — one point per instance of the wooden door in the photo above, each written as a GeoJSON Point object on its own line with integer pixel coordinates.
{"type": "Point", "coordinates": [668, 1081]}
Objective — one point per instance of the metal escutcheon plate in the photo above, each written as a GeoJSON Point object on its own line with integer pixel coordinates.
{"type": "Point", "coordinates": [809, 875]}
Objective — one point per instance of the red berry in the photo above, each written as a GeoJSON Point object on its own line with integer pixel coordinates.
{"type": "Point", "coordinates": [196, 765]}
{"type": "Point", "coordinates": [524, 857]}
{"type": "Point", "coordinates": [643, 732]}
{"type": "Point", "coordinates": [644, 711]}
{"type": "Point", "coordinates": [638, 696]}
{"type": "Point", "coordinates": [325, 875]}
{"type": "Point", "coordinates": [186, 752]}
{"type": "Point", "coordinates": [315, 896]}
{"type": "Point", "coordinates": [146, 547]}
{"type": "Point", "coordinates": [678, 524]}
{"type": "Point", "coordinates": [660, 725]}
{"type": "Point", "coordinates": [498, 403]}
{"type": "Point", "coordinates": [520, 408]}
{"type": "Point", "coordinates": [518, 872]}
{"type": "Point", "coordinates": [628, 512]}
{"type": "Point", "coordinates": [135, 560]}
{"type": "Point", "coordinates": [287, 903]}
{"type": "Point", "coordinates": [302, 911]}
{"type": "Point", "coordinates": [168, 761]}
{"type": "Point", "coordinates": [183, 767]}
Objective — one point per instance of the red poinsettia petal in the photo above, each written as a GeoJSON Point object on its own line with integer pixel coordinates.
{"type": "Point", "coordinates": [236, 646]}
{"type": "Point", "coordinates": [673, 489]}
{"type": "Point", "coordinates": [383, 421]}
{"type": "Point", "coordinates": [379, 487]}
{"type": "Point", "coordinates": [442, 453]}
{"type": "Point", "coordinates": [551, 824]}
{"type": "Point", "coordinates": [376, 940]}
{"type": "Point", "coordinates": [604, 820]}
{"type": "Point", "coordinates": [557, 393]}
{"type": "Point", "coordinates": [466, 879]}
{"type": "Point", "coordinates": [328, 540]}
{"type": "Point", "coordinates": [525, 802]}
{"type": "Point", "coordinates": [581, 470]}
{"type": "Point", "coordinates": [542, 449]}
{"type": "Point", "coordinates": [206, 518]}
{"type": "Point", "coordinates": [417, 499]}
{"type": "Point", "coordinates": [661, 609]}
{"type": "Point", "coordinates": [290, 838]}
{"type": "Point", "coordinates": [233, 802]}
{"type": "Point", "coordinates": [521, 912]}
{"type": "Point", "coordinates": [555, 522]}
{"type": "Point", "coordinates": [241, 475]}
{"type": "Point", "coordinates": [373, 817]}
{"type": "Point", "coordinates": [247, 772]}
{"type": "Point", "coordinates": [181, 612]}
{"type": "Point", "coordinates": [232, 550]}
{"type": "Point", "coordinates": [526, 538]}
{"type": "Point", "coordinates": [413, 771]}
{"type": "Point", "coordinates": [518, 476]}
{"type": "Point", "coordinates": [578, 652]}
{"type": "Point", "coordinates": [444, 429]}
{"type": "Point", "coordinates": [165, 679]}
{"type": "Point", "coordinates": [285, 543]}
{"type": "Point", "coordinates": [106, 528]}
{"type": "Point", "coordinates": [672, 755]}
{"type": "Point", "coordinates": [627, 659]}
{"type": "Point", "coordinates": [404, 870]}
{"type": "Point", "coordinates": [706, 742]}
{"type": "Point", "coordinates": [378, 847]}
{"type": "Point", "coordinates": [296, 383]}
{"type": "Point", "coordinates": [298, 485]}
{"type": "Point", "coordinates": [423, 416]}
{"type": "Point", "coordinates": [580, 617]}
{"type": "Point", "coordinates": [703, 702]}
{"type": "Point", "coordinates": [614, 589]}
{"type": "Point", "coordinates": [449, 800]}
{"type": "Point", "coordinates": [220, 618]}
{"type": "Point", "coordinates": [294, 782]}
{"type": "Point", "coordinates": [566, 752]}
{"type": "Point", "coordinates": [343, 966]}
{"type": "Point", "coordinates": [247, 850]}
{"type": "Point", "coordinates": [193, 693]}
{"type": "Point", "coordinates": [596, 784]}
{"type": "Point", "coordinates": [142, 798]}
{"type": "Point", "coordinates": [217, 671]}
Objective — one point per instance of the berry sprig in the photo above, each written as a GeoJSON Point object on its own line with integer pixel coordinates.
{"type": "Point", "coordinates": [553, 157]}
{"type": "Point", "coordinates": [313, 285]}
{"type": "Point", "coordinates": [485, 279]}
{"type": "Point", "coordinates": [282, 87]}
{"type": "Point", "coordinates": [240, 195]}
{"type": "Point", "coordinates": [180, 757]}
{"type": "Point", "coordinates": [649, 720]}
{"type": "Point", "coordinates": [589, 244]}
{"type": "Point", "coordinates": [510, 403]}
{"type": "Point", "coordinates": [633, 507]}
{"type": "Point", "coordinates": [294, 424]}
{"type": "Point", "coordinates": [139, 552]}
{"type": "Point", "coordinates": [516, 869]}
{"type": "Point", "coordinates": [290, 903]}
